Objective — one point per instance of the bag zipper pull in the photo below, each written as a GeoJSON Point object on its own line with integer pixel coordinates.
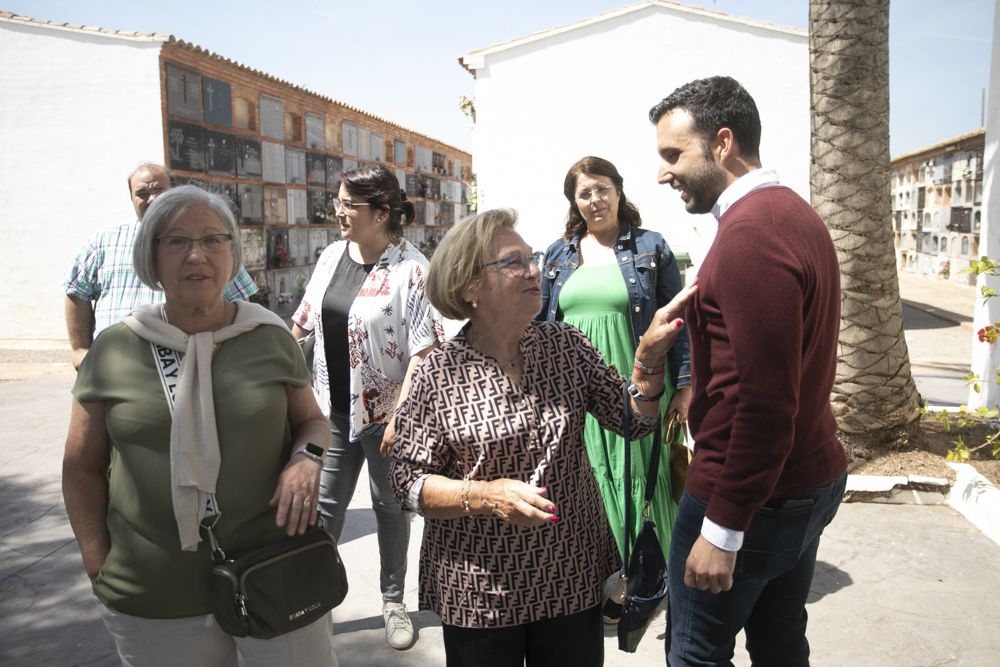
{"type": "Point", "coordinates": [218, 555]}
{"type": "Point", "coordinates": [208, 525]}
{"type": "Point", "coordinates": [241, 606]}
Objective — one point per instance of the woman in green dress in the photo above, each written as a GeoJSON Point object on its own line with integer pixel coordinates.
{"type": "Point", "coordinates": [607, 276]}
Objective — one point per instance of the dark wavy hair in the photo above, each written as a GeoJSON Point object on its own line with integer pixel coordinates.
{"type": "Point", "coordinates": [380, 189]}
{"type": "Point", "coordinates": [715, 103]}
{"type": "Point", "coordinates": [628, 214]}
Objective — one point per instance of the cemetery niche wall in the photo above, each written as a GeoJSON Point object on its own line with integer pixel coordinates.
{"type": "Point", "coordinates": [277, 152]}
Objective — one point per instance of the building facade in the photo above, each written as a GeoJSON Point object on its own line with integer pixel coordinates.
{"type": "Point", "coordinates": [937, 196]}
{"type": "Point", "coordinates": [277, 151]}
{"type": "Point", "coordinates": [548, 99]}
{"type": "Point", "coordinates": [83, 106]}
{"type": "Point", "coordinates": [986, 357]}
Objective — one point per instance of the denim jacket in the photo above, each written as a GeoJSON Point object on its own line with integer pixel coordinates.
{"type": "Point", "coordinates": [651, 277]}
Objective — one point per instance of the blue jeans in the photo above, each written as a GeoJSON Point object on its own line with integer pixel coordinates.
{"type": "Point", "coordinates": [336, 487]}
{"type": "Point", "coordinates": [771, 581]}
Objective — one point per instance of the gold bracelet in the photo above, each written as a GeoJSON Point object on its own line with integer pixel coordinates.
{"type": "Point", "coordinates": [465, 497]}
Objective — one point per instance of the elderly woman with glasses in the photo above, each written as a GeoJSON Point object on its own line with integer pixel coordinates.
{"type": "Point", "coordinates": [187, 410]}
{"type": "Point", "coordinates": [365, 303]}
{"type": "Point", "coordinates": [607, 277]}
{"type": "Point", "coordinates": [489, 449]}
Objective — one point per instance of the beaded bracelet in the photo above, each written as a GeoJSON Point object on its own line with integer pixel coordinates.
{"type": "Point", "coordinates": [465, 497]}
{"type": "Point", "coordinates": [647, 370]}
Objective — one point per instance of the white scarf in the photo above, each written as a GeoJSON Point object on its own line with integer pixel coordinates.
{"type": "Point", "coordinates": [194, 439]}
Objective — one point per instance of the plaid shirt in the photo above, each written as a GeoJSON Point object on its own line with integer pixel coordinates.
{"type": "Point", "coordinates": [102, 272]}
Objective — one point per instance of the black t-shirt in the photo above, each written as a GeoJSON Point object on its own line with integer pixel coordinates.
{"type": "Point", "coordinates": [344, 286]}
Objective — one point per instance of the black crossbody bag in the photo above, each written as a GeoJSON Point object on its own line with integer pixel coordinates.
{"type": "Point", "coordinates": [272, 590]}
{"type": "Point", "coordinates": [644, 568]}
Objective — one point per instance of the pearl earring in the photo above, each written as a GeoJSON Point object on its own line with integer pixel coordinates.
{"type": "Point", "coordinates": [475, 304]}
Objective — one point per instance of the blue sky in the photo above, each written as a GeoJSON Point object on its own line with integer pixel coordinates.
{"type": "Point", "coordinates": [399, 58]}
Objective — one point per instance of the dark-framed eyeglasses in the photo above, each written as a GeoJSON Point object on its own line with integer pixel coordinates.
{"type": "Point", "coordinates": [181, 245]}
{"type": "Point", "coordinates": [515, 263]}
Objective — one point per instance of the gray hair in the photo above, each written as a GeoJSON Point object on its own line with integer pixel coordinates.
{"type": "Point", "coordinates": [170, 206]}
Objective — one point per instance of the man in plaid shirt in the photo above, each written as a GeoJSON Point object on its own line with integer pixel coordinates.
{"type": "Point", "coordinates": [102, 287]}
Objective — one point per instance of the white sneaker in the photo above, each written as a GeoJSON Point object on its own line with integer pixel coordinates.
{"type": "Point", "coordinates": [398, 627]}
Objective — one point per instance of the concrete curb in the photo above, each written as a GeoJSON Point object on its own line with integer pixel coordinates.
{"type": "Point", "coordinates": [971, 494]}
{"type": "Point", "coordinates": [975, 498]}
{"type": "Point", "coordinates": [897, 489]}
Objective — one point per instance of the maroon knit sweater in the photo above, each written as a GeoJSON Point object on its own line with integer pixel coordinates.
{"type": "Point", "coordinates": [764, 325]}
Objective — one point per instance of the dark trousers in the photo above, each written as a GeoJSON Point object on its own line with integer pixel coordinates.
{"type": "Point", "coordinates": [576, 639]}
{"type": "Point", "coordinates": [771, 580]}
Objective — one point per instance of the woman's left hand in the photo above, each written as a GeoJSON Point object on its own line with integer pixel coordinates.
{"type": "Point", "coordinates": [296, 494]}
{"type": "Point", "coordinates": [679, 404]}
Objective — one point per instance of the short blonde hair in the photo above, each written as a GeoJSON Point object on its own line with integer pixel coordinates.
{"type": "Point", "coordinates": [457, 262]}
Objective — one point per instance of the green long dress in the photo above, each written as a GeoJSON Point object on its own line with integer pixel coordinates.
{"type": "Point", "coordinates": [595, 301]}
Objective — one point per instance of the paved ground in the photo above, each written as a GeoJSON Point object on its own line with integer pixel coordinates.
{"type": "Point", "coordinates": [937, 317]}
{"type": "Point", "coordinates": [895, 585]}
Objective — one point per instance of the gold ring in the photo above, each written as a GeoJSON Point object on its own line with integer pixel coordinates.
{"type": "Point", "coordinates": [306, 504]}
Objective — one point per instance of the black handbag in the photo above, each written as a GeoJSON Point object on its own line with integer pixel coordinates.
{"type": "Point", "coordinates": [644, 569]}
{"type": "Point", "coordinates": [272, 590]}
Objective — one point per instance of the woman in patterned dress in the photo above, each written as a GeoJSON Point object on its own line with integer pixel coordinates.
{"type": "Point", "coordinates": [607, 276]}
{"type": "Point", "coordinates": [489, 449]}
{"type": "Point", "coordinates": [365, 303]}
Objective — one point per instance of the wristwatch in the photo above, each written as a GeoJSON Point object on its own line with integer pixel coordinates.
{"type": "Point", "coordinates": [635, 393]}
{"type": "Point", "coordinates": [311, 450]}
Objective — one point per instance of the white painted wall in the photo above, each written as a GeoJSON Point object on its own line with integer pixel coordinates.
{"type": "Point", "coordinates": [543, 105]}
{"type": "Point", "coordinates": [986, 358]}
{"type": "Point", "coordinates": [79, 111]}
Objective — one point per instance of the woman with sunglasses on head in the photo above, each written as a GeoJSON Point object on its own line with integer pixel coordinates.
{"type": "Point", "coordinates": [365, 304]}
{"type": "Point", "coordinates": [607, 277]}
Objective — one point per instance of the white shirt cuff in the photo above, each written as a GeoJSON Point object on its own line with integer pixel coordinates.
{"type": "Point", "coordinates": [722, 538]}
{"type": "Point", "coordinates": [413, 497]}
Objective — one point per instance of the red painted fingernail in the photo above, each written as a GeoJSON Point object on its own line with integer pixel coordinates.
{"type": "Point", "coordinates": [679, 322]}
{"type": "Point", "coordinates": [554, 519]}
{"type": "Point", "coordinates": [552, 508]}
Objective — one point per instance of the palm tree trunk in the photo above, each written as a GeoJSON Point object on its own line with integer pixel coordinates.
{"type": "Point", "coordinates": [874, 398]}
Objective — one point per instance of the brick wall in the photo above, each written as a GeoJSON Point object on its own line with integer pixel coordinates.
{"type": "Point", "coordinates": [286, 249]}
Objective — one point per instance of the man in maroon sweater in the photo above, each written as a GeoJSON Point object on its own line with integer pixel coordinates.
{"type": "Point", "coordinates": [768, 471]}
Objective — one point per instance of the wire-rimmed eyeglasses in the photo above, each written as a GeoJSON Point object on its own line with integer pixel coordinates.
{"type": "Point", "coordinates": [601, 192]}
{"type": "Point", "coordinates": [512, 263]}
{"type": "Point", "coordinates": [345, 206]}
{"type": "Point", "coordinates": [181, 245]}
